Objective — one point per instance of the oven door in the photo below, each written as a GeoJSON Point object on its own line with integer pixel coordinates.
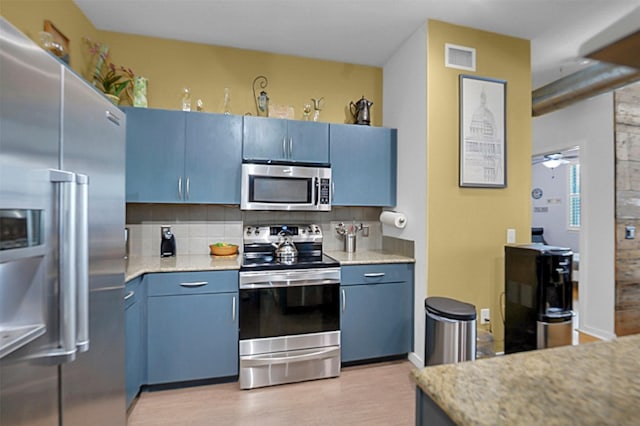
{"type": "Point", "coordinates": [289, 326]}
{"type": "Point", "coordinates": [285, 187]}
{"type": "Point", "coordinates": [289, 303]}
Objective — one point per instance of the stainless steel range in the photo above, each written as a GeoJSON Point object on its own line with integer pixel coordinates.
{"type": "Point", "coordinates": [289, 307]}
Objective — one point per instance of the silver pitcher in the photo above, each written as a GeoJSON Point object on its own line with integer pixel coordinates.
{"type": "Point", "coordinates": [360, 111]}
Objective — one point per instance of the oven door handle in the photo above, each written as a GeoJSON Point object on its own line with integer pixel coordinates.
{"type": "Point", "coordinates": [288, 283]}
{"type": "Point", "coordinates": [262, 360]}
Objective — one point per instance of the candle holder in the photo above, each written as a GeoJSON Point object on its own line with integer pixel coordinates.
{"type": "Point", "coordinates": [262, 101]}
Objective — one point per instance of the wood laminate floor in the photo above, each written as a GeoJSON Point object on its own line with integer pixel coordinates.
{"type": "Point", "coordinates": [375, 394]}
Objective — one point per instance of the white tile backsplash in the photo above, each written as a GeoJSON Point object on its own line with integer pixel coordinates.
{"type": "Point", "coordinates": [197, 226]}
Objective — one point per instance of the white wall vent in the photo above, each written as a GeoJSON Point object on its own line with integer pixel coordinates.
{"type": "Point", "coordinates": [460, 57]}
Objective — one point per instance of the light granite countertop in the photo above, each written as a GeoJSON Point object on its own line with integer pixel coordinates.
{"type": "Point", "coordinates": [366, 257]}
{"type": "Point", "coordinates": [138, 265]}
{"type": "Point", "coordinates": [595, 384]}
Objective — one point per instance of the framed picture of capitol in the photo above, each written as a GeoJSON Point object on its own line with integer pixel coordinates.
{"type": "Point", "coordinates": [483, 157]}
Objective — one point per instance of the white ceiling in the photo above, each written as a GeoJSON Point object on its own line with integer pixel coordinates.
{"type": "Point", "coordinates": [363, 31]}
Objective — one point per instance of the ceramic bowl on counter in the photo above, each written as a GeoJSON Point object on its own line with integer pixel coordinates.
{"type": "Point", "coordinates": [223, 249]}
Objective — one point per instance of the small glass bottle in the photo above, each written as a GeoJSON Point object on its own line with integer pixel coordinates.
{"type": "Point", "coordinates": [186, 100]}
{"type": "Point", "coordinates": [226, 108]}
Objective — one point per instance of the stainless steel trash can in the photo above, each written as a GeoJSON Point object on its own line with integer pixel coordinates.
{"type": "Point", "coordinates": [450, 331]}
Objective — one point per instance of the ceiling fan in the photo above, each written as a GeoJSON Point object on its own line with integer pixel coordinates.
{"type": "Point", "coordinates": [556, 159]}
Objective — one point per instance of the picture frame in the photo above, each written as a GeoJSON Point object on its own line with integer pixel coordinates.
{"type": "Point", "coordinates": [482, 144]}
{"type": "Point", "coordinates": [59, 38]}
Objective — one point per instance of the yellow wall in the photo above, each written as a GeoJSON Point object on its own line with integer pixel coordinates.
{"type": "Point", "coordinates": [29, 15]}
{"type": "Point", "coordinates": [172, 65]}
{"type": "Point", "coordinates": [206, 70]}
{"type": "Point", "coordinates": [467, 226]}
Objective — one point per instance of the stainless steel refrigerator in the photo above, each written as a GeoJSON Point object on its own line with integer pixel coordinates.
{"type": "Point", "coordinates": [62, 215]}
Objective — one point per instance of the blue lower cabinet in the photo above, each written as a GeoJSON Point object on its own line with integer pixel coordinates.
{"type": "Point", "coordinates": [134, 338]}
{"type": "Point", "coordinates": [192, 334]}
{"type": "Point", "coordinates": [377, 319]}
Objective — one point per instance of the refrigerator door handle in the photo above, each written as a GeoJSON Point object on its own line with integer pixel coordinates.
{"type": "Point", "coordinates": [66, 264]}
{"type": "Point", "coordinates": [82, 262]}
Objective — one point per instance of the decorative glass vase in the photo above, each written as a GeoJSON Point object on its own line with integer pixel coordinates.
{"type": "Point", "coordinates": [140, 92]}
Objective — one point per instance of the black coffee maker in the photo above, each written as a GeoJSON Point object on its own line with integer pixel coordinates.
{"type": "Point", "coordinates": [167, 242]}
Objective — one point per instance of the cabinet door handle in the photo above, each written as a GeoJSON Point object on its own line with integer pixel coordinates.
{"type": "Point", "coordinates": [194, 284]}
{"type": "Point", "coordinates": [284, 147]}
{"type": "Point", "coordinates": [290, 147]}
{"type": "Point", "coordinates": [129, 295]}
{"type": "Point", "coordinates": [333, 191]}
{"type": "Point", "coordinates": [233, 309]}
{"type": "Point", "coordinates": [374, 275]}
{"type": "Point", "coordinates": [180, 188]}
{"type": "Point", "coordinates": [188, 188]}
{"type": "Point", "coordinates": [344, 300]}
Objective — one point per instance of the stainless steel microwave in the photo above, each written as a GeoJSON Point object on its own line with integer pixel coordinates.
{"type": "Point", "coordinates": [285, 186]}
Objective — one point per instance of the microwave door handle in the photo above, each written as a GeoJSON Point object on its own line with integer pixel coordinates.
{"type": "Point", "coordinates": [317, 189]}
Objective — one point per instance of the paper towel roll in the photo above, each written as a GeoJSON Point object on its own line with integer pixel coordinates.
{"type": "Point", "coordinates": [399, 220]}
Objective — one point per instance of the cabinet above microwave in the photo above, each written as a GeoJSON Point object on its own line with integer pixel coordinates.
{"type": "Point", "coordinates": [285, 140]}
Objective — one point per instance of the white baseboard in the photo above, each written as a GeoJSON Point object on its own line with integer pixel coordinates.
{"type": "Point", "coordinates": [599, 334]}
{"type": "Point", "coordinates": [416, 360]}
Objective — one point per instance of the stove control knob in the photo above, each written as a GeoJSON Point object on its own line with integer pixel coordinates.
{"type": "Point", "coordinates": [317, 230]}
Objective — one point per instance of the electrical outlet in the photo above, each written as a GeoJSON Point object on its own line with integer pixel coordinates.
{"type": "Point", "coordinates": [485, 316]}
{"type": "Point", "coordinates": [511, 236]}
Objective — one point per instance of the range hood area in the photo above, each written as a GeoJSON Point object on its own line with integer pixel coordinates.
{"type": "Point", "coordinates": [617, 50]}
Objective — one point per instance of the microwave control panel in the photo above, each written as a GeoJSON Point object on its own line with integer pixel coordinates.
{"type": "Point", "coordinates": [324, 191]}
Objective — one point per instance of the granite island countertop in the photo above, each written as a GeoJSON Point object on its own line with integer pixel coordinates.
{"type": "Point", "coordinates": [138, 265]}
{"type": "Point", "coordinates": [367, 257]}
{"type": "Point", "coordinates": [595, 383]}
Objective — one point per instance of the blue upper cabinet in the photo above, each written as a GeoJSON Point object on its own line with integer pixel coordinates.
{"type": "Point", "coordinates": [154, 155]}
{"type": "Point", "coordinates": [285, 140]}
{"type": "Point", "coordinates": [309, 141]}
{"type": "Point", "coordinates": [213, 158]}
{"type": "Point", "coordinates": [179, 157]}
{"type": "Point", "coordinates": [264, 139]}
{"type": "Point", "coordinates": [363, 165]}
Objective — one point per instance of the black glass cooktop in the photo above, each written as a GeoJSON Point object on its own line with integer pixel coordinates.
{"type": "Point", "coordinates": [270, 262]}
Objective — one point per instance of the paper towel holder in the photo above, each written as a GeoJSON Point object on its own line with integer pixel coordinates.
{"type": "Point", "coordinates": [393, 218]}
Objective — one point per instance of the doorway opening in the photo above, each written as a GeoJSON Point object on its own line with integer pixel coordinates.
{"type": "Point", "coordinates": [555, 201]}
